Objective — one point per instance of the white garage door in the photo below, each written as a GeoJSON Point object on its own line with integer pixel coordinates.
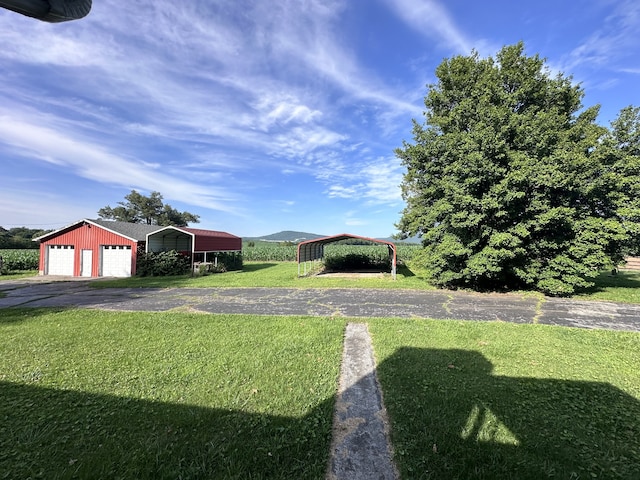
{"type": "Point", "coordinates": [60, 260]}
{"type": "Point", "coordinates": [116, 261]}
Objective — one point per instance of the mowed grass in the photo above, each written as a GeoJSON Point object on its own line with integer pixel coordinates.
{"type": "Point", "coordinates": [274, 274]}
{"type": "Point", "coordinates": [17, 275]}
{"type": "Point", "coordinates": [91, 394]}
{"type": "Point", "coordinates": [471, 400]}
{"type": "Point", "coordinates": [622, 287]}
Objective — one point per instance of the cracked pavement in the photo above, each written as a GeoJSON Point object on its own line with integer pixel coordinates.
{"type": "Point", "coordinates": [334, 302]}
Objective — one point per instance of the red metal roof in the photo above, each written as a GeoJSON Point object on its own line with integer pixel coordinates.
{"type": "Point", "coordinates": [314, 249]}
{"type": "Point", "coordinates": [214, 241]}
{"type": "Point", "coordinates": [204, 240]}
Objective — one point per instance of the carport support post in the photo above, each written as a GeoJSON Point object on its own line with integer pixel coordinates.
{"type": "Point", "coordinates": [193, 254]}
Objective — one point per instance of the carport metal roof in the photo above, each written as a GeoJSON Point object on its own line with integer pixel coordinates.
{"type": "Point", "coordinates": [197, 240]}
{"type": "Point", "coordinates": [311, 250]}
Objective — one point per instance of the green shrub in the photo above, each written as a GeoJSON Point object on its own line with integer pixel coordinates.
{"type": "Point", "coordinates": [225, 262]}
{"type": "Point", "coordinates": [355, 261]}
{"type": "Point", "coordinates": [231, 260]}
{"type": "Point", "coordinates": [161, 264]}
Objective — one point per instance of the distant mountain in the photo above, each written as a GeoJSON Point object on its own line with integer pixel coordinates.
{"type": "Point", "coordinates": [286, 236]}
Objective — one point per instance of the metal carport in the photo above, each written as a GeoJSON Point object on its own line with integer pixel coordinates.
{"type": "Point", "coordinates": [313, 250]}
{"type": "Point", "coordinates": [192, 241]}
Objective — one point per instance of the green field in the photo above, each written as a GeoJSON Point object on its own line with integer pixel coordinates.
{"type": "Point", "coordinates": [19, 260]}
{"type": "Point", "coordinates": [276, 252]}
{"type": "Point", "coordinates": [93, 394]}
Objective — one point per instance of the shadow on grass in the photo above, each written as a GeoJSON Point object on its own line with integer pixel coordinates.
{"type": "Point", "coordinates": [623, 279]}
{"type": "Point", "coordinates": [18, 274]}
{"type": "Point", "coordinates": [451, 417]}
{"type": "Point", "coordinates": [254, 267]}
{"type": "Point", "coordinates": [52, 433]}
{"type": "Point", "coordinates": [405, 271]}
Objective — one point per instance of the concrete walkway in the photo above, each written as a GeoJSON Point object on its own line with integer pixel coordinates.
{"type": "Point", "coordinates": [360, 449]}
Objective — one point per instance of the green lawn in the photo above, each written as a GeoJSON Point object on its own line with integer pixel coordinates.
{"type": "Point", "coordinates": [623, 287]}
{"type": "Point", "coordinates": [273, 274]}
{"type": "Point", "coordinates": [88, 394]}
{"type": "Point", "coordinates": [18, 275]}
{"type": "Point", "coordinates": [492, 400]}
{"type": "Point", "coordinates": [94, 394]}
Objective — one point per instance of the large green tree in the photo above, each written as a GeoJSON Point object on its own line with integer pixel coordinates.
{"type": "Point", "coordinates": [151, 210]}
{"type": "Point", "coordinates": [511, 182]}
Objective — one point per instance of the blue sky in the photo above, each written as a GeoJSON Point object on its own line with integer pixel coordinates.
{"type": "Point", "coordinates": [262, 116]}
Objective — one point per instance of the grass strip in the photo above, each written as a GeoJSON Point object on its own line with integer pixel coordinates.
{"type": "Point", "coordinates": [492, 400]}
{"type": "Point", "coordinates": [623, 287]}
{"type": "Point", "coordinates": [90, 394]}
{"type": "Point", "coordinates": [273, 274]}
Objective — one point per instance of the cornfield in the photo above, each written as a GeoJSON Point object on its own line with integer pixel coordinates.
{"type": "Point", "coordinates": [269, 252]}
{"type": "Point", "coordinates": [19, 260]}
{"type": "Point", "coordinates": [274, 252]}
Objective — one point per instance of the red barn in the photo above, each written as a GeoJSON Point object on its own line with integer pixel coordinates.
{"type": "Point", "coordinates": [103, 248]}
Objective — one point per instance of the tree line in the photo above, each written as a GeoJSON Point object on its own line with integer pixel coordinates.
{"type": "Point", "coordinates": [20, 237]}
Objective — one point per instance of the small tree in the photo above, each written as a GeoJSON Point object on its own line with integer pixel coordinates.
{"type": "Point", "coordinates": [151, 210]}
{"type": "Point", "coordinates": [511, 184]}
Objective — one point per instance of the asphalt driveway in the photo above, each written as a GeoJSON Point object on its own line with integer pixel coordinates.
{"type": "Point", "coordinates": [352, 303]}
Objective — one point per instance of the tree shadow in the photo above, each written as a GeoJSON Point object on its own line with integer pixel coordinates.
{"type": "Point", "coordinates": [622, 279]}
{"type": "Point", "coordinates": [254, 267]}
{"type": "Point", "coordinates": [404, 270]}
{"type": "Point", "coordinates": [22, 314]}
{"type": "Point", "coordinates": [452, 418]}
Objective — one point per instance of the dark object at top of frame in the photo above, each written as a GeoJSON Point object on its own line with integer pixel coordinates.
{"type": "Point", "coordinates": [52, 11]}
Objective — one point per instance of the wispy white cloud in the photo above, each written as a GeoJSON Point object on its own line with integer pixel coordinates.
{"type": "Point", "coordinates": [634, 71]}
{"type": "Point", "coordinates": [33, 139]}
{"type": "Point", "coordinates": [431, 18]}
{"type": "Point", "coordinates": [43, 210]}
{"type": "Point", "coordinates": [612, 43]}
{"type": "Point", "coordinates": [300, 141]}
{"type": "Point", "coordinates": [341, 191]}
{"type": "Point", "coordinates": [377, 182]}
{"type": "Point", "coordinates": [352, 221]}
